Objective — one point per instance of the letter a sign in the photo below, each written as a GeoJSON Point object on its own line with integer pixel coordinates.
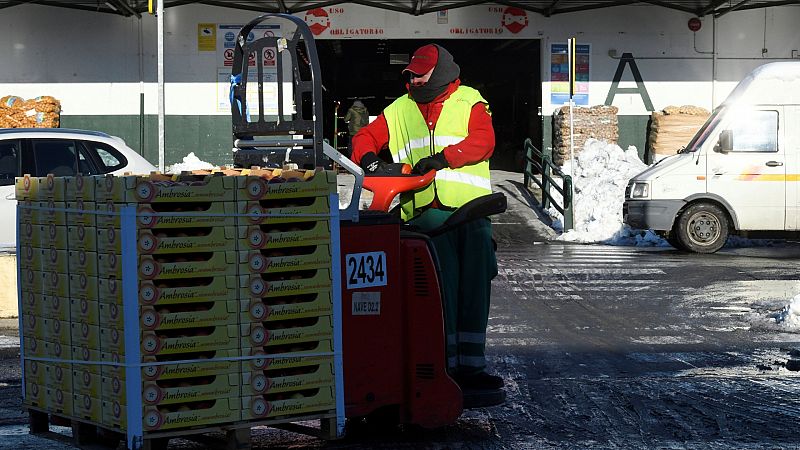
{"type": "Point", "coordinates": [627, 58]}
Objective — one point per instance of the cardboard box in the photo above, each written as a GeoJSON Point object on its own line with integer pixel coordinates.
{"type": "Point", "coordinates": [86, 358]}
{"type": "Point", "coordinates": [33, 326]}
{"type": "Point", "coordinates": [285, 405]}
{"type": "Point", "coordinates": [271, 357]}
{"type": "Point", "coordinates": [268, 334]}
{"type": "Point", "coordinates": [29, 257]}
{"type": "Point", "coordinates": [115, 414]}
{"type": "Point", "coordinates": [288, 380]}
{"type": "Point", "coordinates": [295, 184]}
{"type": "Point", "coordinates": [80, 186]}
{"type": "Point", "coordinates": [57, 350]}
{"type": "Point", "coordinates": [274, 236]}
{"type": "Point", "coordinates": [205, 413]}
{"type": "Point", "coordinates": [50, 212]}
{"type": "Point", "coordinates": [40, 188]}
{"type": "Point", "coordinates": [172, 316]}
{"type": "Point", "coordinates": [81, 212]}
{"type": "Point", "coordinates": [59, 401]}
{"type": "Point", "coordinates": [113, 387]}
{"type": "Point", "coordinates": [56, 284]}
{"type": "Point", "coordinates": [166, 370]}
{"type": "Point", "coordinates": [214, 264]}
{"type": "Point", "coordinates": [161, 188]}
{"type": "Point", "coordinates": [35, 372]}
{"type": "Point", "coordinates": [110, 290]}
{"type": "Point", "coordinates": [191, 389]}
{"type": "Point", "coordinates": [266, 286]}
{"type": "Point", "coordinates": [85, 381]}
{"type": "Point", "coordinates": [87, 407]}
{"type": "Point", "coordinates": [186, 215]}
{"type": "Point", "coordinates": [284, 308]}
{"type": "Point", "coordinates": [85, 310]}
{"type": "Point", "coordinates": [34, 347]}
{"type": "Point", "coordinates": [55, 307]}
{"type": "Point", "coordinates": [225, 337]}
{"type": "Point", "coordinates": [166, 292]}
{"type": "Point", "coordinates": [32, 303]}
{"type": "Point", "coordinates": [56, 331]}
{"type": "Point", "coordinates": [35, 395]}
{"type": "Point", "coordinates": [84, 334]}
{"type": "Point", "coordinates": [82, 286]}
{"type": "Point", "coordinates": [165, 240]}
{"type": "Point", "coordinates": [59, 376]}
{"type": "Point", "coordinates": [285, 211]}
{"type": "Point", "coordinates": [83, 262]}
{"type": "Point", "coordinates": [43, 236]}
{"type": "Point", "coordinates": [82, 237]}
{"type": "Point", "coordinates": [286, 260]}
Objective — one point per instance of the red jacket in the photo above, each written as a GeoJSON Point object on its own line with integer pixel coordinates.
{"type": "Point", "coordinates": [476, 147]}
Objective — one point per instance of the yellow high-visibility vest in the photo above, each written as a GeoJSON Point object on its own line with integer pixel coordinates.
{"type": "Point", "coordinates": [410, 140]}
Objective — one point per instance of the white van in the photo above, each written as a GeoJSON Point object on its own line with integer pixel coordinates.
{"type": "Point", "coordinates": [738, 175]}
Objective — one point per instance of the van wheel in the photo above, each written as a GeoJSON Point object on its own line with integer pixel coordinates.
{"type": "Point", "coordinates": [703, 228]}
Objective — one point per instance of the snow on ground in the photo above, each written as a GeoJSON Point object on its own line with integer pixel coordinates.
{"type": "Point", "coordinates": [599, 176]}
{"type": "Point", "coordinates": [190, 162]}
{"type": "Point", "coordinates": [601, 172]}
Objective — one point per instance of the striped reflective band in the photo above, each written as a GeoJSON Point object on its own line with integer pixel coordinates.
{"type": "Point", "coordinates": [439, 141]}
{"type": "Point", "coordinates": [465, 178]}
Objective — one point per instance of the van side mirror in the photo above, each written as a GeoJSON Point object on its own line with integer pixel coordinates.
{"type": "Point", "coordinates": [725, 143]}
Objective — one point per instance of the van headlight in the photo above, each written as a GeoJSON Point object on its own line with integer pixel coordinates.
{"type": "Point", "coordinates": [640, 190]}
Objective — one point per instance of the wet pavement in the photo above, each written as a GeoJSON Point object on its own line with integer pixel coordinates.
{"type": "Point", "coordinates": [600, 347]}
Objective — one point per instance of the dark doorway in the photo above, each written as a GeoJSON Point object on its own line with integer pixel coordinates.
{"type": "Point", "coordinates": [507, 73]}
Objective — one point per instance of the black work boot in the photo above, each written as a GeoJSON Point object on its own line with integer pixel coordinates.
{"type": "Point", "coordinates": [480, 380]}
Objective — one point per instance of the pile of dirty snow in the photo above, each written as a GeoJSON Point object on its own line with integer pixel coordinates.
{"type": "Point", "coordinates": [600, 173]}
{"type": "Point", "coordinates": [789, 316]}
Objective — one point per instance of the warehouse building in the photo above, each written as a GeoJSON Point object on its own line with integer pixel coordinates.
{"type": "Point", "coordinates": [99, 59]}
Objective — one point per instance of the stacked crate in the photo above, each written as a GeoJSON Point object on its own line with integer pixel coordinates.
{"type": "Point", "coordinates": [233, 272]}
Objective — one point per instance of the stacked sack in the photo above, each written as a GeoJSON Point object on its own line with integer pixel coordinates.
{"type": "Point", "coordinates": [598, 122]}
{"type": "Point", "coordinates": [673, 128]}
{"type": "Point", "coordinates": [40, 112]}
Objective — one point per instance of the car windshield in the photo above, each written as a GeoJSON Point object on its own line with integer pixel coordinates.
{"type": "Point", "coordinates": [702, 134]}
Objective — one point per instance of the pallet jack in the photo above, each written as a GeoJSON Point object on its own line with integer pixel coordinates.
{"type": "Point", "coordinates": [393, 325]}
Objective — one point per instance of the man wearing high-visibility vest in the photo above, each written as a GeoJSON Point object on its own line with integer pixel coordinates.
{"type": "Point", "coordinates": [444, 126]}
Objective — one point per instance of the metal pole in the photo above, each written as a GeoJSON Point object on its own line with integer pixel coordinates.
{"type": "Point", "coordinates": [141, 89]}
{"type": "Point", "coordinates": [160, 21]}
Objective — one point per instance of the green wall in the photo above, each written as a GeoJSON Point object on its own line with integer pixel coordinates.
{"type": "Point", "coordinates": [209, 137]}
{"type": "Point", "coordinates": [632, 131]}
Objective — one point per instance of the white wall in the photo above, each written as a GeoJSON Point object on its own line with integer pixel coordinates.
{"type": "Point", "coordinates": [91, 61]}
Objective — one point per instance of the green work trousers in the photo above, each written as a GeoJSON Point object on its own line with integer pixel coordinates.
{"type": "Point", "coordinates": [467, 263]}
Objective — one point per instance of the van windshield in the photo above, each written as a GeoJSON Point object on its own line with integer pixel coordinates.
{"type": "Point", "coordinates": [702, 134]}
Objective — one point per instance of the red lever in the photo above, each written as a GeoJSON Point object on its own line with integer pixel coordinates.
{"type": "Point", "coordinates": [384, 189]}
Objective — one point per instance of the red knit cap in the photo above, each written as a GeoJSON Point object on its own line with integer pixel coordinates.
{"type": "Point", "coordinates": [423, 60]}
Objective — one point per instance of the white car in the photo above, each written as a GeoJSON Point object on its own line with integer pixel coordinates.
{"type": "Point", "coordinates": [62, 152]}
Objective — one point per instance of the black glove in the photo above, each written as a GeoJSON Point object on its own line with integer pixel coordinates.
{"type": "Point", "coordinates": [435, 162]}
{"type": "Point", "coordinates": [375, 167]}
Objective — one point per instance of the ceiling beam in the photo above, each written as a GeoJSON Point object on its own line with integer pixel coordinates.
{"type": "Point", "coordinates": [309, 6]}
{"type": "Point", "coordinates": [379, 5]}
{"type": "Point", "coordinates": [123, 5]}
{"type": "Point", "coordinates": [668, 5]}
{"type": "Point", "coordinates": [282, 6]}
{"type": "Point", "coordinates": [731, 9]}
{"type": "Point", "coordinates": [550, 8]}
{"type": "Point", "coordinates": [455, 5]}
{"type": "Point", "coordinates": [769, 5]}
{"type": "Point", "coordinates": [520, 6]}
{"type": "Point", "coordinates": [710, 8]}
{"type": "Point", "coordinates": [224, 4]}
{"type": "Point", "coordinates": [595, 6]}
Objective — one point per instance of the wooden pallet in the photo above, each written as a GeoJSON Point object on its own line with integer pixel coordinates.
{"type": "Point", "coordinates": [237, 435]}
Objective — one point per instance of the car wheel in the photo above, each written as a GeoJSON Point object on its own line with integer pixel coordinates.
{"type": "Point", "coordinates": [703, 228]}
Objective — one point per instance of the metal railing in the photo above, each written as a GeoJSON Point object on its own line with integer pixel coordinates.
{"type": "Point", "coordinates": [543, 161]}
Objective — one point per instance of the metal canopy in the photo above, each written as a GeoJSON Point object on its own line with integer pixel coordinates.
{"type": "Point", "coordinates": [546, 8]}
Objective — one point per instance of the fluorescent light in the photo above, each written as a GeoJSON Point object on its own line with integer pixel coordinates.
{"type": "Point", "coordinates": [112, 6]}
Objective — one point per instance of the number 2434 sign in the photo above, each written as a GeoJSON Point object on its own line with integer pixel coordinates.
{"type": "Point", "coordinates": [365, 269]}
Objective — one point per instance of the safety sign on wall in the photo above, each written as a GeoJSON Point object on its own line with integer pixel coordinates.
{"type": "Point", "coordinates": [226, 36]}
{"type": "Point", "coordinates": [559, 74]}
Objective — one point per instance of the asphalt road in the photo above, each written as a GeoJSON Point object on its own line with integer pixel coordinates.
{"type": "Point", "coordinates": [600, 347]}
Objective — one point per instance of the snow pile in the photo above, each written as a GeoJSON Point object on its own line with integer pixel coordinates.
{"type": "Point", "coordinates": [600, 173]}
{"type": "Point", "coordinates": [789, 316]}
{"type": "Point", "coordinates": [190, 162]}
